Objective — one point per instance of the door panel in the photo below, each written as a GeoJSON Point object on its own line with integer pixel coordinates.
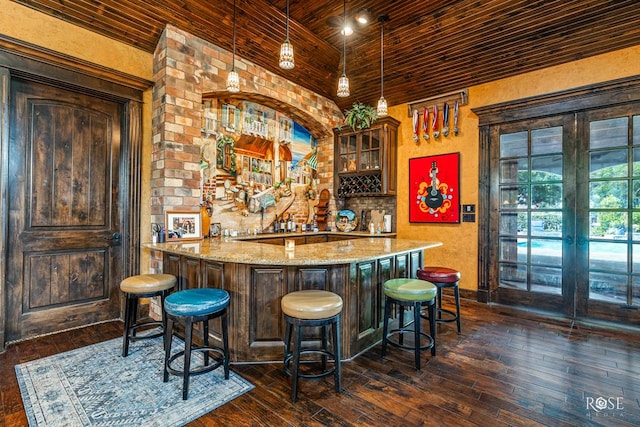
{"type": "Point", "coordinates": [609, 195]}
{"type": "Point", "coordinates": [64, 263]}
{"type": "Point", "coordinates": [566, 190]}
{"type": "Point", "coordinates": [533, 162]}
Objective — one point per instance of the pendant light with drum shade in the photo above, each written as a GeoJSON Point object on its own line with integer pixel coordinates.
{"type": "Point", "coordinates": [286, 49]}
{"type": "Point", "coordinates": [233, 80]}
{"type": "Point", "coordinates": [382, 103]}
{"type": "Point", "coordinates": [343, 82]}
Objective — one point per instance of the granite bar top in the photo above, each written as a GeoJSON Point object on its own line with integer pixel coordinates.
{"type": "Point", "coordinates": [241, 251]}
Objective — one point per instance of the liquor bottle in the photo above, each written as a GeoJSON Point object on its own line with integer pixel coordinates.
{"type": "Point", "coordinates": [283, 224]}
{"type": "Point", "coordinates": [289, 224]}
{"type": "Point", "coordinates": [275, 225]}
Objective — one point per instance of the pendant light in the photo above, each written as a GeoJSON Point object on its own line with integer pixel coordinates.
{"type": "Point", "coordinates": [233, 80]}
{"type": "Point", "coordinates": [382, 103]}
{"type": "Point", "coordinates": [343, 82]}
{"type": "Point", "coordinates": [286, 50]}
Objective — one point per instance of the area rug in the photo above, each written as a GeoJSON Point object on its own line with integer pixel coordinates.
{"type": "Point", "coordinates": [96, 386]}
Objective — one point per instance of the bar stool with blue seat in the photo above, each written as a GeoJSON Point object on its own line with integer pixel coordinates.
{"type": "Point", "coordinates": [416, 294]}
{"type": "Point", "coordinates": [311, 308]}
{"type": "Point", "coordinates": [143, 286]}
{"type": "Point", "coordinates": [191, 306]}
{"type": "Point", "coordinates": [444, 277]}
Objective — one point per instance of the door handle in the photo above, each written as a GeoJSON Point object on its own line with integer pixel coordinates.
{"type": "Point", "coordinates": [569, 240]}
{"type": "Point", "coordinates": [115, 237]}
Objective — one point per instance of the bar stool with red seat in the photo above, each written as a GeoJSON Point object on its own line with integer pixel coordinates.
{"type": "Point", "coordinates": [444, 277]}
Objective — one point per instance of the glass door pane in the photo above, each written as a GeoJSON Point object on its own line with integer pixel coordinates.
{"type": "Point", "coordinates": [614, 215]}
{"type": "Point", "coordinates": [531, 210]}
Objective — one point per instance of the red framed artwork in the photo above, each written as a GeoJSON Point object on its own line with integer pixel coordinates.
{"type": "Point", "coordinates": [434, 188]}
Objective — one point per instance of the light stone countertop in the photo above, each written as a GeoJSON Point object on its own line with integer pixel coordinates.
{"type": "Point", "coordinates": [232, 250]}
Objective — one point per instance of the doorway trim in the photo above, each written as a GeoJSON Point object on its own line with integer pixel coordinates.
{"type": "Point", "coordinates": [614, 92]}
{"type": "Point", "coordinates": [31, 62]}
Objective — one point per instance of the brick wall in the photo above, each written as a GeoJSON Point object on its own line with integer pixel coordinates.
{"type": "Point", "coordinates": [185, 68]}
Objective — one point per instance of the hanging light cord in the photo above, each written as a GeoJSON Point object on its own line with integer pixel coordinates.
{"type": "Point", "coordinates": [233, 66]}
{"type": "Point", "coordinates": [344, 39]}
{"type": "Point", "coordinates": [382, 59]}
{"type": "Point", "coordinates": [287, 38]}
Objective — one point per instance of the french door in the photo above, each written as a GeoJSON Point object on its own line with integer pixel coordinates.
{"type": "Point", "coordinates": [566, 193]}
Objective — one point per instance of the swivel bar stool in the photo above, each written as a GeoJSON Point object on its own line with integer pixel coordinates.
{"type": "Point", "coordinates": [444, 277]}
{"type": "Point", "coordinates": [308, 309]}
{"type": "Point", "coordinates": [416, 294]}
{"type": "Point", "coordinates": [143, 286]}
{"type": "Point", "coordinates": [191, 306]}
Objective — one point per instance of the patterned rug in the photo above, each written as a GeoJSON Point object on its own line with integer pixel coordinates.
{"type": "Point", "coordinates": [96, 386]}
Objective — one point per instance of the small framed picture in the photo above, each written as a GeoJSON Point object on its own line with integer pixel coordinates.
{"type": "Point", "coordinates": [215, 229]}
{"type": "Point", "coordinates": [183, 225]}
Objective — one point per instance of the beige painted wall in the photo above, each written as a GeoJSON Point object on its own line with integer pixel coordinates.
{"type": "Point", "coordinates": [28, 25]}
{"type": "Point", "coordinates": [461, 240]}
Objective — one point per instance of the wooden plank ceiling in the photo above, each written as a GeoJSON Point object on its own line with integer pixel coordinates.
{"type": "Point", "coordinates": [431, 47]}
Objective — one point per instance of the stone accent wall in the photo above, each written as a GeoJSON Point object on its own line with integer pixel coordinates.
{"type": "Point", "coordinates": [186, 67]}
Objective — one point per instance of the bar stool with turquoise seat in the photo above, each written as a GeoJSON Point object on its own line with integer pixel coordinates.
{"type": "Point", "coordinates": [413, 293]}
{"type": "Point", "coordinates": [191, 306]}
{"type": "Point", "coordinates": [143, 286]}
{"type": "Point", "coordinates": [311, 308]}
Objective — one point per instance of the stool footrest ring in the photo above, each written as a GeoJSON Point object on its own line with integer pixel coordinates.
{"type": "Point", "coordinates": [135, 327]}
{"type": "Point", "coordinates": [319, 375]}
{"type": "Point", "coordinates": [408, 331]}
{"type": "Point", "coordinates": [453, 317]}
{"type": "Point", "coordinates": [200, 369]}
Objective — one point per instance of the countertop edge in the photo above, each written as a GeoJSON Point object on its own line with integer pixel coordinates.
{"type": "Point", "coordinates": [359, 249]}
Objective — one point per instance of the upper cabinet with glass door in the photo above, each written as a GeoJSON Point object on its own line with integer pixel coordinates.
{"type": "Point", "coordinates": [365, 159]}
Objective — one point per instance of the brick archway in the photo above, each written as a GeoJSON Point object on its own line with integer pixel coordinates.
{"type": "Point", "coordinates": [185, 68]}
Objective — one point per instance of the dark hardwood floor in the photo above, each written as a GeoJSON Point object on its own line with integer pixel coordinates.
{"type": "Point", "coordinates": [507, 368]}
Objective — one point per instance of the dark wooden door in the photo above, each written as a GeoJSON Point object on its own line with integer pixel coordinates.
{"type": "Point", "coordinates": [64, 258]}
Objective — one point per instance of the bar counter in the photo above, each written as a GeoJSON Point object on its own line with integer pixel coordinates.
{"type": "Point", "coordinates": [257, 271]}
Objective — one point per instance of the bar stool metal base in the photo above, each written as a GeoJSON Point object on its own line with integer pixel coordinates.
{"type": "Point", "coordinates": [441, 312]}
{"type": "Point", "coordinates": [131, 326]}
{"type": "Point", "coordinates": [292, 357]}
{"type": "Point", "coordinates": [189, 348]}
{"type": "Point", "coordinates": [404, 329]}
